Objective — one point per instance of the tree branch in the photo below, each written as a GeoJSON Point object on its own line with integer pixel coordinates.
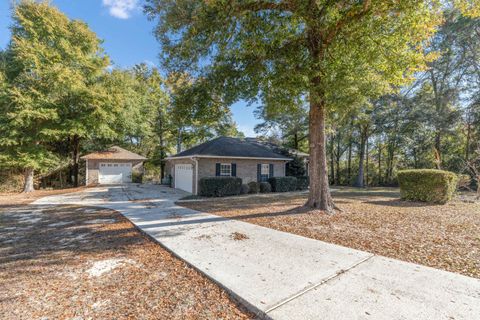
{"type": "Point", "coordinates": [353, 14]}
{"type": "Point", "coordinates": [266, 5]}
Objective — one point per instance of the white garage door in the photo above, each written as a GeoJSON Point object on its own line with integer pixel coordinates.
{"type": "Point", "coordinates": [111, 173]}
{"type": "Point", "coordinates": [184, 177]}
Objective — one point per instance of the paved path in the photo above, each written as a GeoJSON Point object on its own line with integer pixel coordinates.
{"type": "Point", "coordinates": [284, 276]}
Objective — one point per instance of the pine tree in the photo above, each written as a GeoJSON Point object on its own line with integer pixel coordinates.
{"type": "Point", "coordinates": [52, 69]}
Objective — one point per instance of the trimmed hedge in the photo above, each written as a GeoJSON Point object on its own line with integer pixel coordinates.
{"type": "Point", "coordinates": [265, 187]}
{"type": "Point", "coordinates": [244, 189]}
{"type": "Point", "coordinates": [254, 187]}
{"type": "Point", "coordinates": [303, 182]}
{"type": "Point", "coordinates": [427, 185]}
{"type": "Point", "coordinates": [219, 186]}
{"type": "Point", "coordinates": [283, 184]}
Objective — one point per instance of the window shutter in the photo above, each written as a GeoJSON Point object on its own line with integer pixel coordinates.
{"type": "Point", "coordinates": [217, 169]}
{"type": "Point", "coordinates": [259, 172]}
{"type": "Point", "coordinates": [271, 171]}
{"type": "Point", "coordinates": [234, 169]}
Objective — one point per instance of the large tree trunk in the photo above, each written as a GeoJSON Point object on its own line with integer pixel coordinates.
{"type": "Point", "coordinates": [319, 194]}
{"type": "Point", "coordinates": [75, 158]}
{"type": "Point", "coordinates": [28, 186]}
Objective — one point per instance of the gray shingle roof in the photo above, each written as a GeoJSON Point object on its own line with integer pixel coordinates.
{"type": "Point", "coordinates": [230, 147]}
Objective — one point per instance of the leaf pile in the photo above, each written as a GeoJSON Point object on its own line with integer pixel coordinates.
{"type": "Point", "coordinates": [90, 263]}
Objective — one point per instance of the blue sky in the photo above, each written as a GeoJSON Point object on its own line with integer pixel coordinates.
{"type": "Point", "coordinates": [127, 36]}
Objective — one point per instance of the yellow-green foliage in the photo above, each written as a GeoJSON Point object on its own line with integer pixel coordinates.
{"type": "Point", "coordinates": [428, 185]}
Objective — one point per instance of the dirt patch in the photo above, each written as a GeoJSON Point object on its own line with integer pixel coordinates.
{"type": "Point", "coordinates": [440, 236]}
{"type": "Point", "coordinates": [13, 199]}
{"type": "Point", "coordinates": [55, 264]}
{"type": "Point", "coordinates": [238, 236]}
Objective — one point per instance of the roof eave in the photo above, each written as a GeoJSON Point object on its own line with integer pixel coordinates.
{"type": "Point", "coordinates": [124, 159]}
{"type": "Point", "coordinates": [226, 157]}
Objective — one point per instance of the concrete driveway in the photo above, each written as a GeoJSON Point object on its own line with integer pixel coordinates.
{"type": "Point", "coordinates": [279, 275]}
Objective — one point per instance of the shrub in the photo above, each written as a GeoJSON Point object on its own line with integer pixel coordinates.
{"type": "Point", "coordinates": [11, 181]}
{"type": "Point", "coordinates": [283, 184]}
{"type": "Point", "coordinates": [427, 185]}
{"type": "Point", "coordinates": [303, 182]}
{"type": "Point", "coordinates": [265, 187]}
{"type": "Point", "coordinates": [219, 186]}
{"type": "Point", "coordinates": [254, 187]}
{"type": "Point", "coordinates": [137, 177]}
{"type": "Point", "coordinates": [244, 189]}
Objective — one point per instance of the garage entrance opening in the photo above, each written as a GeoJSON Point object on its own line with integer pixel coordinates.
{"type": "Point", "coordinates": [184, 177]}
{"type": "Point", "coordinates": [113, 173]}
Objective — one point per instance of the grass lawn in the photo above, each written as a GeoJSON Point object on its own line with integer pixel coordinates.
{"type": "Point", "coordinates": [71, 262]}
{"type": "Point", "coordinates": [441, 236]}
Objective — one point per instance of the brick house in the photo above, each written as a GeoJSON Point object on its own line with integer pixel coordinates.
{"type": "Point", "coordinates": [224, 156]}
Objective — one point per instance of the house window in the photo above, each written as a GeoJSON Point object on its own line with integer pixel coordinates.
{"type": "Point", "coordinates": [226, 169]}
{"type": "Point", "coordinates": [264, 172]}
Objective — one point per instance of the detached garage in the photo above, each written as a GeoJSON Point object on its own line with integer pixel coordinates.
{"type": "Point", "coordinates": [112, 166]}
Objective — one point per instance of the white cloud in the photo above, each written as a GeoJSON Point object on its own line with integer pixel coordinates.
{"type": "Point", "coordinates": [247, 130]}
{"type": "Point", "coordinates": [121, 9]}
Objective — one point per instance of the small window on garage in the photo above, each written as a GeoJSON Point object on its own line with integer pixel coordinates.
{"type": "Point", "coordinates": [226, 169]}
{"type": "Point", "coordinates": [115, 165]}
{"type": "Point", "coordinates": [109, 164]}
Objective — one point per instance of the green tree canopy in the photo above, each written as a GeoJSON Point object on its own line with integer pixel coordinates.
{"type": "Point", "coordinates": [52, 69]}
{"type": "Point", "coordinates": [328, 51]}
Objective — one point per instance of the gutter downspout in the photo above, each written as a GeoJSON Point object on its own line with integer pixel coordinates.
{"type": "Point", "coordinates": [196, 175]}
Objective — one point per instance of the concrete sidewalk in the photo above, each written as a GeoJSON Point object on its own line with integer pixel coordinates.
{"type": "Point", "coordinates": [284, 276]}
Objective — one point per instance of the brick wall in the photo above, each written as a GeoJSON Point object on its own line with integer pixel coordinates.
{"type": "Point", "coordinates": [246, 169]}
